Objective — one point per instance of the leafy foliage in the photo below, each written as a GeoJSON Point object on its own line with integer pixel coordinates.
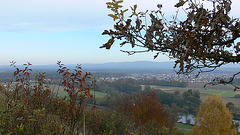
{"type": "Point", "coordinates": [187, 102]}
{"type": "Point", "coordinates": [204, 41]}
{"type": "Point", "coordinates": [78, 89]}
{"type": "Point", "coordinates": [31, 107]}
{"type": "Point", "coordinates": [234, 109]}
{"type": "Point", "coordinates": [122, 85]}
{"type": "Point", "coordinates": [146, 110]}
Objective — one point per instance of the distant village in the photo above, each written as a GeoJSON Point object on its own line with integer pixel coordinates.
{"type": "Point", "coordinates": [204, 77]}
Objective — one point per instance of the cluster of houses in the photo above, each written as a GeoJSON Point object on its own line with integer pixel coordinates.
{"type": "Point", "coordinates": [204, 77]}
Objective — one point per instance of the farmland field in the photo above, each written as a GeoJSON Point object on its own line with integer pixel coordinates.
{"type": "Point", "coordinates": [226, 92]}
{"type": "Point", "coordinates": [220, 93]}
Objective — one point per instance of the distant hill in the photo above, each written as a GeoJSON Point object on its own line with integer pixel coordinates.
{"type": "Point", "coordinates": [120, 66]}
{"type": "Point", "coordinates": [138, 65]}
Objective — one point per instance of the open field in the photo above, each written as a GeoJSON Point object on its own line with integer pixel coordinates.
{"type": "Point", "coordinates": [60, 91]}
{"type": "Point", "coordinates": [168, 88]}
{"type": "Point", "coordinates": [184, 127]}
{"type": "Point", "coordinates": [220, 93]}
{"type": "Point", "coordinates": [214, 87]}
{"type": "Point", "coordinates": [97, 94]}
{"type": "Point", "coordinates": [226, 92]}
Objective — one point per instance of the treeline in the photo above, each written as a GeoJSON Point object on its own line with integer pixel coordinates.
{"type": "Point", "coordinates": [185, 103]}
{"type": "Point", "coordinates": [188, 101]}
{"type": "Point", "coordinates": [155, 81]}
{"type": "Point", "coordinates": [121, 85]}
{"type": "Point", "coordinates": [131, 85]}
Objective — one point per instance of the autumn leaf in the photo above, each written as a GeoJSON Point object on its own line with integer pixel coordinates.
{"type": "Point", "coordinates": [181, 3]}
{"type": "Point", "coordinates": [113, 16]}
{"type": "Point", "coordinates": [214, 118]}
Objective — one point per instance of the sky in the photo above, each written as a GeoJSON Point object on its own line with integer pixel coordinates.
{"type": "Point", "coordinates": [46, 31]}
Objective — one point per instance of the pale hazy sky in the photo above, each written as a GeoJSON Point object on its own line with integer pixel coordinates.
{"type": "Point", "coordinates": [45, 31]}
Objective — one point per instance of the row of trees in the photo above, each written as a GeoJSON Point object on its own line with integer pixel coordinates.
{"type": "Point", "coordinates": [121, 85]}
{"type": "Point", "coordinates": [188, 102]}
{"type": "Point", "coordinates": [155, 81]}
{"type": "Point", "coordinates": [132, 85]}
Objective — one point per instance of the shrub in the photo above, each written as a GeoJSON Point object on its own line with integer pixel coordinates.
{"type": "Point", "coordinates": [33, 108]}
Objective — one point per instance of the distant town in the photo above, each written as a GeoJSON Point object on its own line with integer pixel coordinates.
{"type": "Point", "coordinates": [204, 77]}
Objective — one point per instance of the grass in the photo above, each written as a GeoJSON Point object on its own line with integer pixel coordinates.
{"type": "Point", "coordinates": [169, 88]}
{"type": "Point", "coordinates": [231, 86]}
{"type": "Point", "coordinates": [97, 94]}
{"type": "Point", "coordinates": [226, 92]}
{"type": "Point", "coordinates": [220, 93]}
{"type": "Point", "coordinates": [61, 92]}
{"type": "Point", "coordinates": [184, 127]}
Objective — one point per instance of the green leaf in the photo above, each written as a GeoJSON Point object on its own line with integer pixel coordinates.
{"type": "Point", "coordinates": [32, 119]}
{"type": "Point", "coordinates": [20, 118]}
{"type": "Point", "coordinates": [9, 133]}
{"type": "Point", "coordinates": [35, 111]}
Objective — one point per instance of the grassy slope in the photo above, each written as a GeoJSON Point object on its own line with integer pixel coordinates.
{"type": "Point", "coordinates": [226, 92]}
{"type": "Point", "coordinates": [97, 94]}
{"type": "Point", "coordinates": [60, 92]}
{"type": "Point", "coordinates": [184, 128]}
{"type": "Point", "coordinates": [220, 93]}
